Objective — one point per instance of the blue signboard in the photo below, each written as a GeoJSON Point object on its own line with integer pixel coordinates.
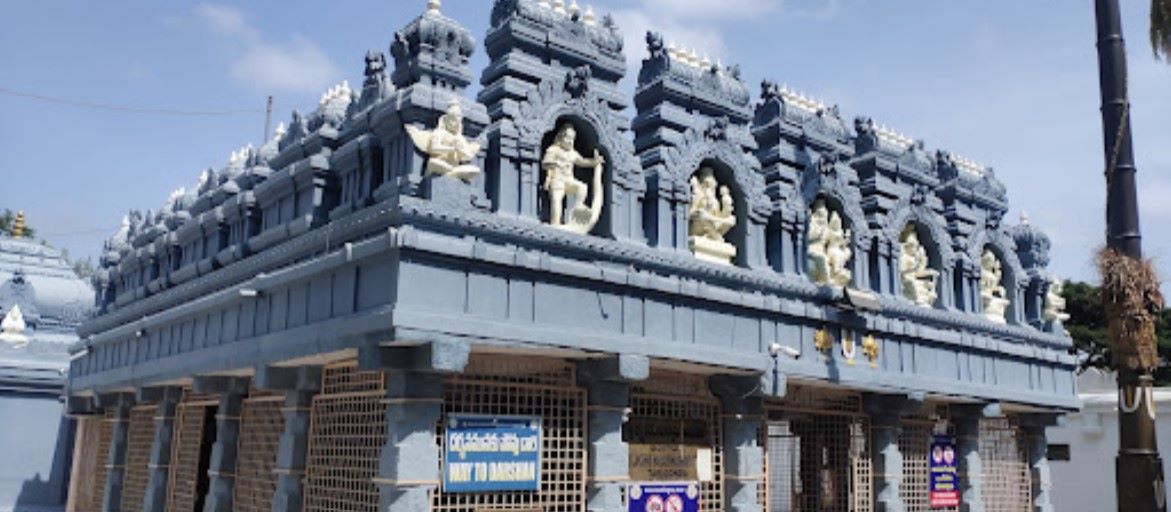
{"type": "Point", "coordinates": [944, 490]}
{"type": "Point", "coordinates": [491, 453]}
{"type": "Point", "coordinates": [662, 497]}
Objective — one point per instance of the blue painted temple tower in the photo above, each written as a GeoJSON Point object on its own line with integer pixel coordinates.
{"type": "Point", "coordinates": [554, 297]}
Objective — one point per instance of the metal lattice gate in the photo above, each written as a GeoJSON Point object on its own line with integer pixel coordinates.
{"type": "Point", "coordinates": [500, 385]}
{"type": "Point", "coordinates": [915, 447]}
{"type": "Point", "coordinates": [818, 456]}
{"type": "Point", "coordinates": [347, 432]}
{"type": "Point", "coordinates": [188, 452]}
{"type": "Point", "coordinates": [1007, 485]}
{"type": "Point", "coordinates": [261, 424]}
{"type": "Point", "coordinates": [139, 437]}
{"type": "Point", "coordinates": [679, 408]}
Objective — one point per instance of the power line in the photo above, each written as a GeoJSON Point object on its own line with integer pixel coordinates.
{"type": "Point", "coordinates": [125, 108]}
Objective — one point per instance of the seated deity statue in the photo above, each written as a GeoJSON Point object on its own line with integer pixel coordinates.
{"type": "Point", "coordinates": [12, 328]}
{"type": "Point", "coordinates": [448, 151]}
{"type": "Point", "coordinates": [1054, 309]}
{"type": "Point", "coordinates": [828, 249]}
{"type": "Point", "coordinates": [993, 296]}
{"type": "Point", "coordinates": [710, 217]}
{"type": "Point", "coordinates": [918, 279]}
{"type": "Point", "coordinates": [559, 163]}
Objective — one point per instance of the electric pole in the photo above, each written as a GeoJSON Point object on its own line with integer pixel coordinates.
{"type": "Point", "coordinates": [1138, 467]}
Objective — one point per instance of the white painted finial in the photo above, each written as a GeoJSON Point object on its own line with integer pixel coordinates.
{"type": "Point", "coordinates": [1024, 217]}
{"type": "Point", "coordinates": [574, 8]}
{"type": "Point", "coordinates": [559, 6]}
{"type": "Point", "coordinates": [590, 19]}
{"type": "Point", "coordinates": [433, 6]}
{"type": "Point", "coordinates": [693, 57]}
{"type": "Point", "coordinates": [544, 4]}
{"type": "Point", "coordinates": [280, 130]}
{"type": "Point", "coordinates": [706, 62]}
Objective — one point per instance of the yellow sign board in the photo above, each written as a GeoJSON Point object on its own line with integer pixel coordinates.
{"type": "Point", "coordinates": [670, 463]}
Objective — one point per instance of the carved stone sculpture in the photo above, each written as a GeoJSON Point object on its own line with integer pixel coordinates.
{"type": "Point", "coordinates": [993, 296]}
{"type": "Point", "coordinates": [1054, 309]}
{"type": "Point", "coordinates": [918, 279]}
{"type": "Point", "coordinates": [828, 247]}
{"type": "Point", "coordinates": [710, 217]}
{"type": "Point", "coordinates": [567, 194]}
{"type": "Point", "coordinates": [448, 151]}
{"type": "Point", "coordinates": [12, 328]}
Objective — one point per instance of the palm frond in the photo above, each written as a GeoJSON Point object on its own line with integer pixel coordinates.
{"type": "Point", "coordinates": [1161, 29]}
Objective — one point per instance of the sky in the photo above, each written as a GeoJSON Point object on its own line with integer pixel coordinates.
{"type": "Point", "coordinates": [1011, 84]}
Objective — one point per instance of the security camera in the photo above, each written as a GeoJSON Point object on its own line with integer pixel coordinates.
{"type": "Point", "coordinates": [777, 349]}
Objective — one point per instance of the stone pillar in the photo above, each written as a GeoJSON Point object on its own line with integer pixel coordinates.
{"type": "Point", "coordinates": [409, 466]}
{"type": "Point", "coordinates": [971, 465]}
{"type": "Point", "coordinates": [409, 470]}
{"type": "Point", "coordinates": [299, 385]}
{"type": "Point", "coordinates": [167, 400]}
{"type": "Point", "coordinates": [607, 382]}
{"type": "Point", "coordinates": [886, 425]}
{"type": "Point", "coordinates": [743, 417]}
{"type": "Point", "coordinates": [221, 469]}
{"type": "Point", "coordinates": [1037, 447]}
{"type": "Point", "coordinates": [116, 458]}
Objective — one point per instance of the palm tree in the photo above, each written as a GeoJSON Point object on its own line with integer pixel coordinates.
{"type": "Point", "coordinates": [1161, 28]}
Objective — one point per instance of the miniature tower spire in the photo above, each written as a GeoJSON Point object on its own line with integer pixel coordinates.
{"type": "Point", "coordinates": [18, 226]}
{"type": "Point", "coordinates": [434, 5]}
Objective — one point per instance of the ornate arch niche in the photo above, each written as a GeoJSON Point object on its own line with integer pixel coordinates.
{"type": "Point", "coordinates": [920, 268]}
{"type": "Point", "coordinates": [830, 254]}
{"type": "Point", "coordinates": [570, 101]}
{"type": "Point", "coordinates": [714, 148]}
{"type": "Point", "coordinates": [597, 184]}
{"type": "Point", "coordinates": [997, 287]}
{"type": "Point", "coordinates": [717, 220]}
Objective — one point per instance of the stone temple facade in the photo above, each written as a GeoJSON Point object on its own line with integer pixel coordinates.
{"type": "Point", "coordinates": [782, 309]}
{"type": "Point", "coordinates": [42, 301]}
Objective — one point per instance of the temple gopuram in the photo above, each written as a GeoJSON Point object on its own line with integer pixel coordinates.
{"type": "Point", "coordinates": [42, 302]}
{"type": "Point", "coordinates": [415, 300]}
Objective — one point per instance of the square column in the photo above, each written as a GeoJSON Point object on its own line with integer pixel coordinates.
{"type": "Point", "coordinates": [886, 425]}
{"type": "Point", "coordinates": [299, 385]}
{"type": "Point", "coordinates": [743, 417]}
{"type": "Point", "coordinates": [409, 468]}
{"type": "Point", "coordinates": [971, 465]}
{"type": "Point", "coordinates": [1037, 447]}
{"type": "Point", "coordinates": [221, 470]}
{"type": "Point", "coordinates": [607, 382]}
{"type": "Point", "coordinates": [116, 458]}
{"type": "Point", "coordinates": [155, 499]}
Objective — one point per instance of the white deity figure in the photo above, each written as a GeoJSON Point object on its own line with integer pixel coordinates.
{"type": "Point", "coordinates": [710, 217]}
{"type": "Point", "coordinates": [828, 247]}
{"type": "Point", "coordinates": [918, 279]}
{"type": "Point", "coordinates": [993, 296]}
{"type": "Point", "coordinates": [1054, 309]}
{"type": "Point", "coordinates": [447, 149]}
{"type": "Point", "coordinates": [12, 328]}
{"type": "Point", "coordinates": [559, 162]}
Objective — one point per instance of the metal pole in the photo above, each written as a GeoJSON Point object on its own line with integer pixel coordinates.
{"type": "Point", "coordinates": [267, 119]}
{"type": "Point", "coordinates": [1138, 468]}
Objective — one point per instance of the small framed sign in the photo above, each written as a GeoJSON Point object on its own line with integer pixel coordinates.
{"type": "Point", "coordinates": [662, 497]}
{"type": "Point", "coordinates": [944, 488]}
{"type": "Point", "coordinates": [491, 453]}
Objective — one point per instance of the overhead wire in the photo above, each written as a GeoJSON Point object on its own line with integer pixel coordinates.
{"type": "Point", "coordinates": [127, 108]}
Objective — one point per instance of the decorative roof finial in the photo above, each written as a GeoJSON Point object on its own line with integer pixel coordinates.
{"type": "Point", "coordinates": [18, 226]}
{"type": "Point", "coordinates": [559, 6]}
{"type": "Point", "coordinates": [574, 8]}
{"type": "Point", "coordinates": [1024, 217]}
{"type": "Point", "coordinates": [433, 6]}
{"type": "Point", "coordinates": [589, 18]}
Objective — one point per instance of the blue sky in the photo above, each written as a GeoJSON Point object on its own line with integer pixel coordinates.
{"type": "Point", "coordinates": [1008, 83]}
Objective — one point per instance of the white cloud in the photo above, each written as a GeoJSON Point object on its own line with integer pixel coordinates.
{"type": "Point", "coordinates": [636, 22]}
{"type": "Point", "coordinates": [706, 10]}
{"type": "Point", "coordinates": [225, 20]}
{"type": "Point", "coordinates": [297, 65]}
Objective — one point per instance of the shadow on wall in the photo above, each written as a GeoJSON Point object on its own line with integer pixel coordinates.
{"type": "Point", "coordinates": [44, 493]}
